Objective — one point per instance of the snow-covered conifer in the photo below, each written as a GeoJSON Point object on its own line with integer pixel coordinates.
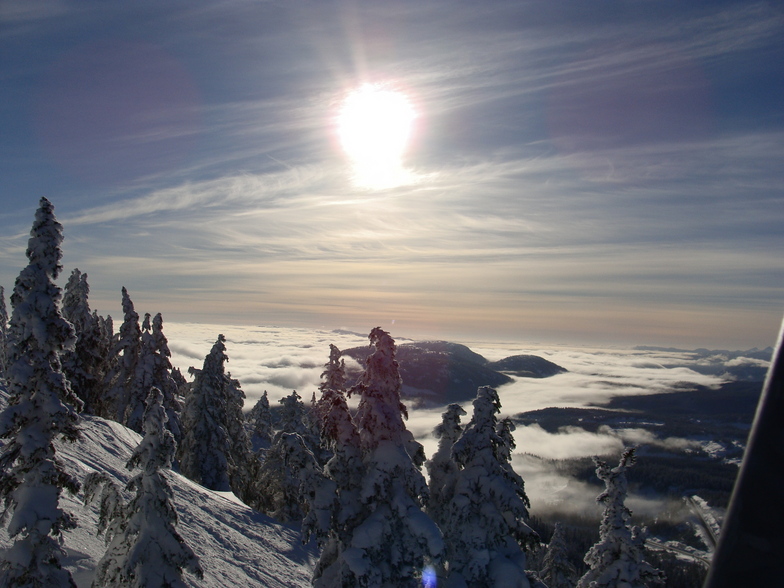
{"type": "Point", "coordinates": [205, 448]}
{"type": "Point", "coordinates": [292, 415]}
{"type": "Point", "coordinates": [154, 369]}
{"type": "Point", "coordinates": [180, 380]}
{"type": "Point", "coordinates": [3, 333]}
{"type": "Point", "coordinates": [108, 339]}
{"type": "Point", "coordinates": [215, 450]}
{"type": "Point", "coordinates": [485, 522]}
{"type": "Point", "coordinates": [111, 510]}
{"type": "Point", "coordinates": [122, 399]}
{"type": "Point", "coordinates": [617, 559]}
{"type": "Point", "coordinates": [287, 474]}
{"type": "Point", "coordinates": [141, 380]}
{"type": "Point", "coordinates": [145, 550]}
{"type": "Point", "coordinates": [557, 571]}
{"type": "Point", "coordinates": [41, 408]}
{"type": "Point", "coordinates": [164, 377]}
{"type": "Point", "coordinates": [242, 461]}
{"type": "Point", "coordinates": [333, 379]}
{"type": "Point", "coordinates": [259, 421]}
{"type": "Point", "coordinates": [441, 467]}
{"type": "Point", "coordinates": [85, 365]}
{"type": "Point", "coordinates": [334, 375]}
{"type": "Point", "coordinates": [392, 539]}
{"type": "Point", "coordinates": [312, 422]}
{"type": "Point", "coordinates": [295, 418]}
{"type": "Point", "coordinates": [344, 469]}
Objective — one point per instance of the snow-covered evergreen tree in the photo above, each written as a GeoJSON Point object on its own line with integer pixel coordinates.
{"type": "Point", "coordinates": [345, 470]}
{"type": "Point", "coordinates": [334, 375]}
{"type": "Point", "coordinates": [125, 395]}
{"type": "Point", "coordinates": [557, 571]}
{"type": "Point", "coordinates": [3, 334]}
{"type": "Point", "coordinates": [259, 421]}
{"type": "Point", "coordinates": [215, 450]}
{"type": "Point", "coordinates": [165, 378]}
{"type": "Point", "coordinates": [145, 550]}
{"type": "Point", "coordinates": [288, 473]}
{"type": "Point", "coordinates": [617, 559]}
{"type": "Point", "coordinates": [295, 418]}
{"type": "Point", "coordinates": [485, 521]}
{"type": "Point", "coordinates": [41, 408]}
{"type": "Point", "coordinates": [292, 415]}
{"type": "Point", "coordinates": [392, 539]}
{"type": "Point", "coordinates": [111, 511]}
{"type": "Point", "coordinates": [138, 386]}
{"type": "Point", "coordinates": [441, 467]}
{"type": "Point", "coordinates": [109, 341]}
{"type": "Point", "coordinates": [312, 422]}
{"type": "Point", "coordinates": [153, 368]}
{"type": "Point", "coordinates": [204, 451]}
{"type": "Point", "coordinates": [85, 365]}
{"type": "Point", "coordinates": [242, 462]}
{"type": "Point", "coordinates": [333, 380]}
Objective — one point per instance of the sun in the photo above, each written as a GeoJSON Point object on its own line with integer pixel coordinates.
{"type": "Point", "coordinates": [374, 126]}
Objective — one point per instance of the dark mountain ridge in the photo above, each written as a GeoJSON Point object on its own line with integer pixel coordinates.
{"type": "Point", "coordinates": [437, 373]}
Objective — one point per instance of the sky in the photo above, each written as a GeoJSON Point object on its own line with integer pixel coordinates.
{"type": "Point", "coordinates": [575, 172]}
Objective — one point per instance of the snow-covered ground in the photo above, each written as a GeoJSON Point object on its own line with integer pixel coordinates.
{"type": "Point", "coordinates": [236, 545]}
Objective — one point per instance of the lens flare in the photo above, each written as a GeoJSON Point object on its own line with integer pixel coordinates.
{"type": "Point", "coordinates": [429, 579]}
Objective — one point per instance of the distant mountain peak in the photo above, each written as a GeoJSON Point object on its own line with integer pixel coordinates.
{"type": "Point", "coordinates": [437, 373]}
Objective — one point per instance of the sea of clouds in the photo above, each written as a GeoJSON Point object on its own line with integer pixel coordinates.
{"type": "Point", "coordinates": [280, 359]}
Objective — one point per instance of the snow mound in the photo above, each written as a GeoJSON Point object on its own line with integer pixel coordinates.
{"type": "Point", "coordinates": [236, 545]}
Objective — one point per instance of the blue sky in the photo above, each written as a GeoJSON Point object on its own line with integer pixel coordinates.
{"type": "Point", "coordinates": [605, 172]}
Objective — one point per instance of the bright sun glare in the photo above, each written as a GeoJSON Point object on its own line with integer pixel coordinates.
{"type": "Point", "coordinates": [374, 126]}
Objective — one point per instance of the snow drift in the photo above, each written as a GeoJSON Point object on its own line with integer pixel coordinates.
{"type": "Point", "coordinates": [236, 545]}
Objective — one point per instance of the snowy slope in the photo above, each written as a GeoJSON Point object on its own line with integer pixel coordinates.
{"type": "Point", "coordinates": [236, 545]}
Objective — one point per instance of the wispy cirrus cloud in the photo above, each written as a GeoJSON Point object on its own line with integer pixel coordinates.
{"type": "Point", "coordinates": [614, 172]}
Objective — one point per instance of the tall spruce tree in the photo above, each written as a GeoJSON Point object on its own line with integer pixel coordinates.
{"type": "Point", "coordinates": [392, 539]}
{"type": "Point", "coordinates": [141, 380]}
{"type": "Point", "coordinates": [289, 472]}
{"type": "Point", "coordinates": [123, 391]}
{"type": "Point", "coordinates": [41, 408]}
{"type": "Point", "coordinates": [153, 368]}
{"type": "Point", "coordinates": [617, 559]}
{"type": "Point", "coordinates": [204, 451]}
{"type": "Point", "coordinates": [345, 469]}
{"type": "Point", "coordinates": [292, 415]}
{"type": "Point", "coordinates": [334, 375]}
{"type": "Point", "coordinates": [485, 521]}
{"type": "Point", "coordinates": [144, 548]}
{"type": "Point", "coordinates": [557, 571]}
{"type": "Point", "coordinates": [85, 365]}
{"type": "Point", "coordinates": [214, 449]}
{"type": "Point", "coordinates": [295, 418]}
{"type": "Point", "coordinates": [441, 467]}
{"type": "Point", "coordinates": [164, 377]}
{"type": "Point", "coordinates": [259, 421]}
{"type": "Point", "coordinates": [243, 462]}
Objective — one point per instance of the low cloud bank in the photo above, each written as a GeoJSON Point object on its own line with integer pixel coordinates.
{"type": "Point", "coordinates": [280, 360]}
{"type": "Point", "coordinates": [554, 493]}
{"type": "Point", "coordinates": [573, 442]}
{"type": "Point", "coordinates": [274, 359]}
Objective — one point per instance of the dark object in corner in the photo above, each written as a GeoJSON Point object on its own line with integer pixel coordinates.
{"type": "Point", "coordinates": [751, 545]}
